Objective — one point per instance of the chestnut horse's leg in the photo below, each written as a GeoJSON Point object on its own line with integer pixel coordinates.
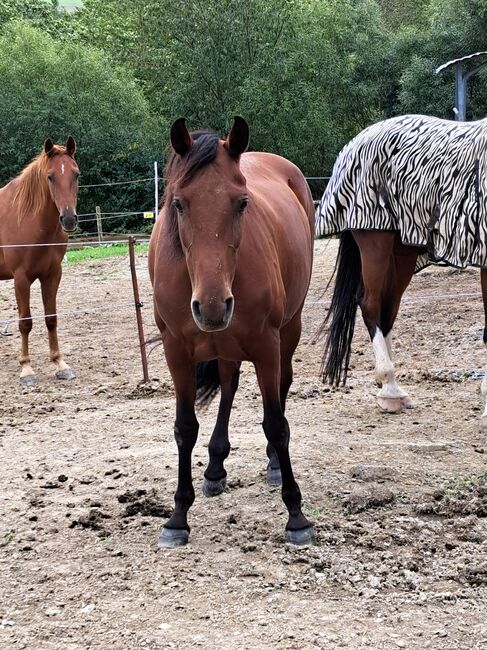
{"type": "Point", "coordinates": [183, 371]}
{"type": "Point", "coordinates": [404, 260]}
{"type": "Point", "coordinates": [290, 335]}
{"type": "Point", "coordinates": [378, 279]}
{"type": "Point", "coordinates": [22, 286]}
{"type": "Point", "coordinates": [215, 477]}
{"type": "Point", "coordinates": [483, 387]}
{"type": "Point", "coordinates": [49, 288]}
{"type": "Point", "coordinates": [276, 428]}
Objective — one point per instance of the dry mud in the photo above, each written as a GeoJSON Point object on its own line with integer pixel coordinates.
{"type": "Point", "coordinates": [399, 501]}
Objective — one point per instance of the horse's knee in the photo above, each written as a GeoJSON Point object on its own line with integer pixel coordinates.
{"type": "Point", "coordinates": [25, 326]}
{"type": "Point", "coordinates": [51, 323]}
{"type": "Point", "coordinates": [186, 432]}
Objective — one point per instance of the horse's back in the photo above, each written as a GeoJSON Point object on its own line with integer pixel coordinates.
{"type": "Point", "coordinates": [281, 225]}
{"type": "Point", "coordinates": [273, 179]}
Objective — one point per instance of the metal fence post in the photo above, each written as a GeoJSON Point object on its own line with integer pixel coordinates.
{"type": "Point", "coordinates": [138, 309]}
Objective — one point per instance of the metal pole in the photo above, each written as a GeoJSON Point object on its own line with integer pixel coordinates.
{"type": "Point", "coordinates": [460, 94]}
{"type": "Point", "coordinates": [156, 190]}
{"type": "Point", "coordinates": [138, 309]}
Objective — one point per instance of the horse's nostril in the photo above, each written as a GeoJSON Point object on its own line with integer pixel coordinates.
{"type": "Point", "coordinates": [229, 307]}
{"type": "Point", "coordinates": [195, 306]}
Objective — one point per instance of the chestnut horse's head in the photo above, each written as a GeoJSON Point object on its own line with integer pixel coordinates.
{"type": "Point", "coordinates": [62, 175]}
{"type": "Point", "coordinates": [206, 198]}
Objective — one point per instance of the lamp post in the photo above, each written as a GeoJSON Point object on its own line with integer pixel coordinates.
{"type": "Point", "coordinates": [461, 79]}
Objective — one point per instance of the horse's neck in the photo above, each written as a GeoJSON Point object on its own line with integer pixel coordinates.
{"type": "Point", "coordinates": [41, 224]}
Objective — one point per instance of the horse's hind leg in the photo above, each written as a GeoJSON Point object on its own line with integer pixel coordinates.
{"type": "Point", "coordinates": [215, 477]}
{"type": "Point", "coordinates": [404, 263]}
{"type": "Point", "coordinates": [376, 251]}
{"type": "Point", "coordinates": [49, 288]}
{"type": "Point", "coordinates": [22, 286]}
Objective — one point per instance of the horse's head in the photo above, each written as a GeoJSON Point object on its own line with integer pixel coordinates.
{"type": "Point", "coordinates": [62, 176]}
{"type": "Point", "coordinates": [207, 195]}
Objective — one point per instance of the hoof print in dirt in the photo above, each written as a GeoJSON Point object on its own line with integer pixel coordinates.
{"type": "Point", "coordinates": [92, 521]}
{"type": "Point", "coordinates": [365, 500]}
{"type": "Point", "coordinates": [140, 502]}
{"type": "Point", "coordinates": [462, 497]}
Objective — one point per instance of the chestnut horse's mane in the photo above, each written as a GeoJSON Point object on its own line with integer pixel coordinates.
{"type": "Point", "coordinates": [32, 191]}
{"type": "Point", "coordinates": [181, 169]}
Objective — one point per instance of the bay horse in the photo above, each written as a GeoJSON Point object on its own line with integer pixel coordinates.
{"type": "Point", "coordinates": [230, 262]}
{"type": "Point", "coordinates": [39, 207]}
{"type": "Point", "coordinates": [404, 193]}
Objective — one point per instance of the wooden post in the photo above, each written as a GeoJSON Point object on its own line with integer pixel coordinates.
{"type": "Point", "coordinates": [156, 190]}
{"type": "Point", "coordinates": [99, 224]}
{"type": "Point", "coordinates": [138, 309]}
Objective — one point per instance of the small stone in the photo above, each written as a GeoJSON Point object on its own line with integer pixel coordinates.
{"type": "Point", "coordinates": [366, 472]}
{"type": "Point", "coordinates": [52, 611]}
{"type": "Point", "coordinates": [87, 609]}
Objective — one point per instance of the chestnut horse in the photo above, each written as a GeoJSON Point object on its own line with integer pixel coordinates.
{"type": "Point", "coordinates": [39, 207]}
{"type": "Point", "coordinates": [230, 262]}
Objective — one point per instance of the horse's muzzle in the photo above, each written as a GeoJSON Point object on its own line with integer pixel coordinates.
{"type": "Point", "coordinates": [213, 316]}
{"type": "Point", "coordinates": [69, 222]}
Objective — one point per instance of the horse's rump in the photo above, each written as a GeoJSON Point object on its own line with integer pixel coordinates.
{"type": "Point", "coordinates": [418, 175]}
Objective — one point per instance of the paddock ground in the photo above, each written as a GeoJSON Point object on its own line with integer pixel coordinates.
{"type": "Point", "coordinates": [89, 471]}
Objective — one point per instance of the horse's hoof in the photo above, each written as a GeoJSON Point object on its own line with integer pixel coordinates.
{"type": "Point", "coordinates": [274, 477]}
{"type": "Point", "coordinates": [390, 404]}
{"type": "Point", "coordinates": [483, 425]}
{"type": "Point", "coordinates": [213, 488]}
{"type": "Point", "coordinates": [303, 537]}
{"type": "Point", "coordinates": [67, 373]}
{"type": "Point", "coordinates": [407, 402]}
{"type": "Point", "coordinates": [173, 537]}
{"type": "Point", "coordinates": [28, 380]}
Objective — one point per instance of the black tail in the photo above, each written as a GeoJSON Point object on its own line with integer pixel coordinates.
{"type": "Point", "coordinates": [343, 310]}
{"type": "Point", "coordinates": [207, 382]}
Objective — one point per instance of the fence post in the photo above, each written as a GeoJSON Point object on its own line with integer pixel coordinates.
{"type": "Point", "coordinates": [138, 309]}
{"type": "Point", "coordinates": [99, 226]}
{"type": "Point", "coordinates": [156, 190]}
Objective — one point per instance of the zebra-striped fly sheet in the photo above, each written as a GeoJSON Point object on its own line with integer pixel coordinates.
{"type": "Point", "coordinates": [421, 176]}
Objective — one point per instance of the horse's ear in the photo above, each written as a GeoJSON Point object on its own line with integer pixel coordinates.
{"type": "Point", "coordinates": [238, 139]}
{"type": "Point", "coordinates": [70, 146]}
{"type": "Point", "coordinates": [48, 147]}
{"type": "Point", "coordinates": [180, 137]}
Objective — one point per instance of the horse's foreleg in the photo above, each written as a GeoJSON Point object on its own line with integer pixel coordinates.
{"type": "Point", "coordinates": [276, 428]}
{"type": "Point", "coordinates": [183, 371]}
{"type": "Point", "coordinates": [22, 293]}
{"type": "Point", "coordinates": [49, 288]}
{"type": "Point", "coordinates": [215, 476]}
{"type": "Point", "coordinates": [289, 339]}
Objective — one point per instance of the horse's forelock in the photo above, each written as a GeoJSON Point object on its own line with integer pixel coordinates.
{"type": "Point", "coordinates": [33, 187]}
{"type": "Point", "coordinates": [180, 170]}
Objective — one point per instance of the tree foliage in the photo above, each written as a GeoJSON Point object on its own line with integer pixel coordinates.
{"type": "Point", "coordinates": [307, 75]}
{"type": "Point", "coordinates": [60, 89]}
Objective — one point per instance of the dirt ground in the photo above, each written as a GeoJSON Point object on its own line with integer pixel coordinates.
{"type": "Point", "coordinates": [400, 501]}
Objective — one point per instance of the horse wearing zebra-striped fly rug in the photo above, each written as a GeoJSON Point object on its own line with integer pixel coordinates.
{"type": "Point", "coordinates": [404, 193]}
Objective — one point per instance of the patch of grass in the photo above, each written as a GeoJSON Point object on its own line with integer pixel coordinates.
{"type": "Point", "coordinates": [101, 252]}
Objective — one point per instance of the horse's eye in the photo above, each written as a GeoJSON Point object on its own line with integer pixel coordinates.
{"type": "Point", "coordinates": [243, 204]}
{"type": "Point", "coordinates": [178, 205]}
{"type": "Point", "coordinates": [50, 178]}
{"type": "Point", "coordinates": [76, 176]}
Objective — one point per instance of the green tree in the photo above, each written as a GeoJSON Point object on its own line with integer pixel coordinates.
{"type": "Point", "coordinates": [59, 89]}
